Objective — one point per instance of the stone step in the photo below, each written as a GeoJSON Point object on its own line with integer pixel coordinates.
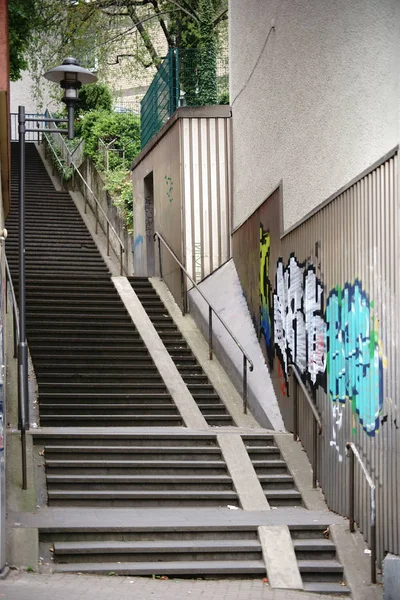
{"type": "Point", "coordinates": [324, 587]}
{"type": "Point", "coordinates": [162, 450]}
{"type": "Point", "coordinates": [141, 479]}
{"type": "Point", "coordinates": [182, 568]}
{"type": "Point", "coordinates": [156, 547]}
{"type": "Point", "coordinates": [158, 465]}
{"type": "Point", "coordinates": [141, 498]}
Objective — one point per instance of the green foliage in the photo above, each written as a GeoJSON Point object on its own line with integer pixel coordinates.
{"type": "Point", "coordinates": [65, 172]}
{"type": "Point", "coordinates": [208, 47]}
{"type": "Point", "coordinates": [23, 17]}
{"type": "Point", "coordinates": [119, 184]}
{"type": "Point", "coordinates": [124, 128]}
{"type": "Point", "coordinates": [223, 97]}
{"type": "Point", "coordinates": [95, 96]}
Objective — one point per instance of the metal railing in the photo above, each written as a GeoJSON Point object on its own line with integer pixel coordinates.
{"type": "Point", "coordinates": [246, 359]}
{"type": "Point", "coordinates": [22, 422]}
{"type": "Point", "coordinates": [98, 207]}
{"type": "Point", "coordinates": [31, 136]}
{"type": "Point", "coordinates": [317, 424]}
{"type": "Point", "coordinates": [179, 82]}
{"type": "Point", "coordinates": [352, 453]}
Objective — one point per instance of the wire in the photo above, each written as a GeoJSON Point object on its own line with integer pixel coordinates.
{"type": "Point", "coordinates": [255, 66]}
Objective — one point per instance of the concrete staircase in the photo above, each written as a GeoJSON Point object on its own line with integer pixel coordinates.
{"type": "Point", "coordinates": [128, 488]}
{"type": "Point", "coordinates": [137, 470]}
{"type": "Point", "coordinates": [210, 404]}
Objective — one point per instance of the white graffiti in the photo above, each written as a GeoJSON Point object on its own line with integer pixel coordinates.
{"type": "Point", "coordinates": [299, 329]}
{"type": "Point", "coordinates": [337, 421]}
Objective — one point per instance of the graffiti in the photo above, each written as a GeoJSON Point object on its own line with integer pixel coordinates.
{"type": "Point", "coordinates": [148, 218]}
{"type": "Point", "coordinates": [355, 359]}
{"type": "Point", "coordinates": [299, 327]}
{"type": "Point", "coordinates": [170, 185]}
{"type": "Point", "coordinates": [265, 293]}
{"type": "Point", "coordinates": [337, 422]}
{"type": "Point", "coordinates": [138, 241]}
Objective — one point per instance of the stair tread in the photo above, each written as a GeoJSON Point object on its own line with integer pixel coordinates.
{"type": "Point", "coordinates": [311, 543]}
{"type": "Point", "coordinates": [156, 546]}
{"type": "Point", "coordinates": [319, 565]}
{"type": "Point", "coordinates": [199, 567]}
{"type": "Point", "coordinates": [326, 587]}
{"type": "Point", "coordinates": [146, 494]}
{"type": "Point", "coordinates": [138, 463]}
{"type": "Point", "coordinates": [136, 449]}
{"type": "Point", "coordinates": [139, 478]}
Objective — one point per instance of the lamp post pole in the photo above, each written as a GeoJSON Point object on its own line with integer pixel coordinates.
{"type": "Point", "coordinates": [70, 75]}
{"type": "Point", "coordinates": [22, 343]}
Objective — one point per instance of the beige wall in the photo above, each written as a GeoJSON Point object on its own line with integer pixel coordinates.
{"type": "Point", "coordinates": [323, 101]}
{"type": "Point", "coordinates": [163, 161]}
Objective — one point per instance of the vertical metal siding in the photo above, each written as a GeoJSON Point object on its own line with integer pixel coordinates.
{"type": "Point", "coordinates": [359, 237]}
{"type": "Point", "coordinates": [206, 195]}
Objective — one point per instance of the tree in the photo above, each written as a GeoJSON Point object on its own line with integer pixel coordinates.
{"type": "Point", "coordinates": [84, 28]}
{"type": "Point", "coordinates": [95, 96]}
{"type": "Point", "coordinates": [208, 54]}
{"type": "Point", "coordinates": [23, 20]}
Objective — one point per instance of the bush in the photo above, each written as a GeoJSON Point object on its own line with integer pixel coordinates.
{"type": "Point", "coordinates": [123, 127]}
{"type": "Point", "coordinates": [94, 96]}
{"type": "Point", "coordinates": [119, 185]}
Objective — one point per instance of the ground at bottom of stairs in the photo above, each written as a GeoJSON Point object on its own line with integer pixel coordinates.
{"type": "Point", "coordinates": [21, 585]}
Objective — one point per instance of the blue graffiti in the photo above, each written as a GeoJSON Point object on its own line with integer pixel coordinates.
{"type": "Point", "coordinates": [138, 241]}
{"type": "Point", "coordinates": [354, 361]}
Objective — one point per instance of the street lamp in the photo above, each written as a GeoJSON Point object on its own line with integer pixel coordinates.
{"type": "Point", "coordinates": [70, 75]}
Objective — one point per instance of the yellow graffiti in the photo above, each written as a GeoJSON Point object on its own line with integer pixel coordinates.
{"type": "Point", "coordinates": [265, 286]}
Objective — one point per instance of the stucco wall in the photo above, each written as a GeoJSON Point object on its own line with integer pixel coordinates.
{"type": "Point", "coordinates": [322, 104]}
{"type": "Point", "coordinates": [160, 211]}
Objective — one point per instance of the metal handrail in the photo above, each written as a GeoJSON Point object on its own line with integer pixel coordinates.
{"type": "Point", "coordinates": [54, 152]}
{"type": "Point", "coordinates": [211, 310]}
{"type": "Point", "coordinates": [351, 453]}
{"type": "Point", "coordinates": [22, 425]}
{"type": "Point", "coordinates": [317, 423]}
{"type": "Point", "coordinates": [97, 203]}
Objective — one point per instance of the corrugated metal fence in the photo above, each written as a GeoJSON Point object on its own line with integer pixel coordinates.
{"type": "Point", "coordinates": [350, 248]}
{"type": "Point", "coordinates": [206, 194]}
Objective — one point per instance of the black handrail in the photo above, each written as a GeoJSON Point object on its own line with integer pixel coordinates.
{"type": "Point", "coordinates": [22, 422]}
{"type": "Point", "coordinates": [211, 310]}
{"type": "Point", "coordinates": [317, 423]}
{"type": "Point", "coordinates": [87, 186]}
{"type": "Point", "coordinates": [351, 453]}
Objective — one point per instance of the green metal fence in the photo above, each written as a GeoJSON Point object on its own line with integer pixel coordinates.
{"type": "Point", "coordinates": [180, 81]}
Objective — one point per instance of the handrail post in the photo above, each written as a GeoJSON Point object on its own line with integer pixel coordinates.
{"type": "Point", "coordinates": [159, 257]}
{"type": "Point", "coordinates": [210, 333]}
{"type": "Point", "coordinates": [183, 293]}
{"type": "Point", "coordinates": [15, 317]}
{"type": "Point", "coordinates": [121, 270]}
{"type": "Point", "coordinates": [351, 491]}
{"type": "Point", "coordinates": [108, 239]}
{"type": "Point", "coordinates": [295, 408]}
{"type": "Point", "coordinates": [315, 453]}
{"type": "Point", "coordinates": [373, 535]}
{"type": "Point", "coordinates": [244, 384]}
{"type": "Point", "coordinates": [97, 217]}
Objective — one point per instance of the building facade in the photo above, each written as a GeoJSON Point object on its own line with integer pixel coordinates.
{"type": "Point", "coordinates": [315, 94]}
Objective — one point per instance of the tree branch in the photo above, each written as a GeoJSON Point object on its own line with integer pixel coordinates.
{"type": "Point", "coordinates": [162, 23]}
{"type": "Point", "coordinates": [145, 37]}
{"type": "Point", "coordinates": [222, 17]}
{"type": "Point", "coordinates": [193, 16]}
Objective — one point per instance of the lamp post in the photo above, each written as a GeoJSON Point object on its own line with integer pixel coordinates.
{"type": "Point", "coordinates": [70, 75]}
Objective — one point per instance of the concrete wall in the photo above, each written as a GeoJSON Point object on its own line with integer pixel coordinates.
{"type": "Point", "coordinates": [159, 209]}
{"type": "Point", "coordinates": [322, 104]}
{"type": "Point", "coordinates": [188, 202]}
{"type": "Point", "coordinates": [223, 290]}
{"type": "Point", "coordinates": [96, 183]}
